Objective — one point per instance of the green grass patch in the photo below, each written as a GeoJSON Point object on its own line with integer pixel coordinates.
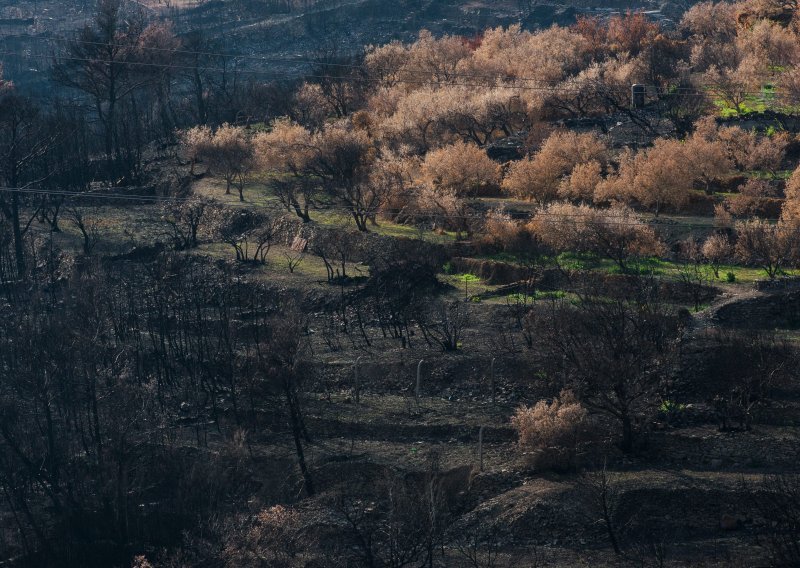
{"type": "Point", "coordinates": [257, 194]}
{"type": "Point", "coordinates": [578, 261]}
{"type": "Point", "coordinates": [310, 270]}
{"type": "Point", "coordinates": [744, 275]}
{"type": "Point", "coordinates": [751, 104]}
{"type": "Point", "coordinates": [761, 174]}
{"type": "Point", "coordinates": [533, 297]}
{"type": "Point", "coordinates": [467, 285]}
{"type": "Point", "coordinates": [536, 295]}
{"type": "Point", "coordinates": [338, 218]}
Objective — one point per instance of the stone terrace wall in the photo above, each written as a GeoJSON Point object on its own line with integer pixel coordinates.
{"type": "Point", "coordinates": [780, 309]}
{"type": "Point", "coordinates": [706, 447]}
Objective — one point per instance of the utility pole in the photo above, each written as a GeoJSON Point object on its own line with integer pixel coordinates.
{"type": "Point", "coordinates": [638, 92]}
{"type": "Point", "coordinates": [357, 385]}
{"type": "Point", "coordinates": [419, 380]}
{"type": "Point", "coordinates": [480, 448]}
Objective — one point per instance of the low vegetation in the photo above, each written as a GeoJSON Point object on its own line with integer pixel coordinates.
{"type": "Point", "coordinates": [459, 301]}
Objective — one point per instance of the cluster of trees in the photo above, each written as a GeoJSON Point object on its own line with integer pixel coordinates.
{"type": "Point", "coordinates": [344, 166]}
{"type": "Point", "coordinates": [620, 356]}
{"type": "Point", "coordinates": [583, 70]}
{"type": "Point", "coordinates": [141, 81]}
{"type": "Point", "coordinates": [114, 379]}
{"type": "Point", "coordinates": [95, 424]}
{"type": "Point", "coordinates": [117, 375]}
{"type": "Point", "coordinates": [121, 86]}
{"type": "Point", "coordinates": [412, 122]}
{"type": "Point", "coordinates": [41, 150]}
{"type": "Point", "coordinates": [619, 234]}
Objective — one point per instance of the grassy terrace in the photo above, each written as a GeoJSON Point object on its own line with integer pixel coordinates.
{"type": "Point", "coordinates": [646, 266]}
{"type": "Point", "coordinates": [256, 194]}
{"type": "Point", "coordinates": [122, 224]}
{"type": "Point", "coordinates": [765, 100]}
{"type": "Point", "coordinates": [309, 270]}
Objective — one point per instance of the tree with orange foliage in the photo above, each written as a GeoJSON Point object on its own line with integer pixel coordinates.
{"type": "Point", "coordinates": [717, 250]}
{"type": "Point", "coordinates": [616, 233]}
{"type": "Point", "coordinates": [444, 209]}
{"type": "Point", "coordinates": [550, 433]}
{"type": "Point", "coordinates": [286, 149]}
{"type": "Point", "coordinates": [712, 28]}
{"type": "Point", "coordinates": [539, 178]}
{"type": "Point", "coordinates": [711, 21]}
{"type": "Point", "coordinates": [767, 153]}
{"type": "Point", "coordinates": [788, 87]}
{"type": "Point", "coordinates": [417, 120]}
{"type": "Point", "coordinates": [661, 178]}
{"type": "Point", "coordinates": [196, 143]}
{"type": "Point", "coordinates": [433, 116]}
{"type": "Point", "coordinates": [790, 213]}
{"type": "Point", "coordinates": [771, 247]}
{"type": "Point", "coordinates": [270, 538]}
{"type": "Point", "coordinates": [599, 88]}
{"type": "Point", "coordinates": [462, 168]}
{"type": "Point", "coordinates": [434, 59]}
{"type": "Point", "coordinates": [619, 183]}
{"type": "Point", "coordinates": [756, 197]}
{"type": "Point", "coordinates": [595, 32]}
{"type": "Point", "coordinates": [706, 159]}
{"type": "Point", "coordinates": [384, 63]}
{"type": "Point", "coordinates": [399, 174]}
{"type": "Point", "coordinates": [502, 233]}
{"type": "Point", "coordinates": [336, 160]}
{"type": "Point", "coordinates": [729, 85]}
{"type": "Point", "coordinates": [630, 33]}
{"type": "Point", "coordinates": [309, 106]}
{"type": "Point", "coordinates": [341, 160]}
{"type": "Point", "coordinates": [548, 55]}
{"type": "Point", "coordinates": [769, 45]}
{"type": "Point", "coordinates": [747, 149]}
{"type": "Point", "coordinates": [580, 185]}
{"type": "Point", "coordinates": [532, 179]}
{"type": "Point", "coordinates": [231, 155]}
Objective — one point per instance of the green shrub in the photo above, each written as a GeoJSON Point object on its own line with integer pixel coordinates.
{"type": "Point", "coordinates": [671, 411]}
{"type": "Point", "coordinates": [730, 277]}
{"type": "Point", "coordinates": [671, 407]}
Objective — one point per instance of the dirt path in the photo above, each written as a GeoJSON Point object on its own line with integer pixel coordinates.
{"type": "Point", "coordinates": [706, 318]}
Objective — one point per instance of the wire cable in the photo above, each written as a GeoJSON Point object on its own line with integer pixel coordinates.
{"type": "Point", "coordinates": [553, 89]}
{"type": "Point", "coordinates": [430, 213]}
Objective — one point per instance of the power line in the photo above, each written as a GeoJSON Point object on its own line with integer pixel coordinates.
{"type": "Point", "coordinates": [430, 213]}
{"type": "Point", "coordinates": [283, 75]}
{"type": "Point", "coordinates": [365, 68]}
{"type": "Point", "coordinates": [262, 58]}
{"type": "Point", "coordinates": [553, 88]}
